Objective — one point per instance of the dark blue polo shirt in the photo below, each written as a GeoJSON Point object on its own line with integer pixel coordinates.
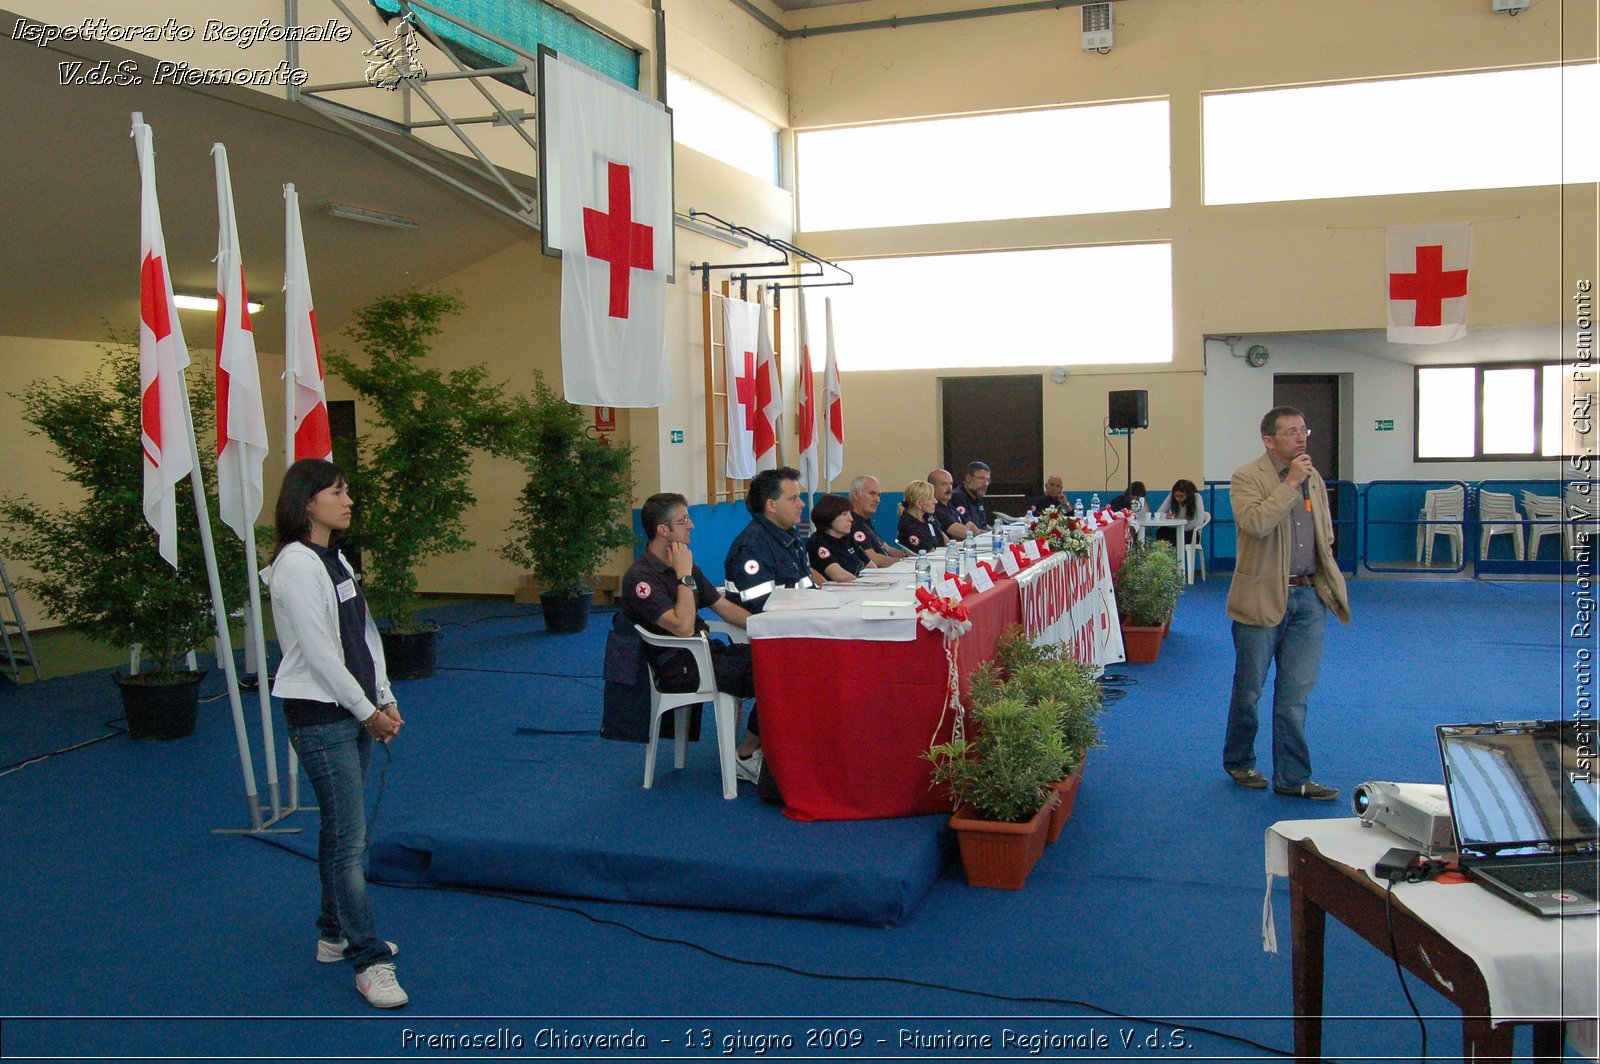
{"type": "Point", "coordinates": [763, 557]}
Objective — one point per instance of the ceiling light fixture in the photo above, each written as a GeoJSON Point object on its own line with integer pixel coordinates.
{"type": "Point", "coordinates": [361, 214]}
{"type": "Point", "coordinates": [206, 303]}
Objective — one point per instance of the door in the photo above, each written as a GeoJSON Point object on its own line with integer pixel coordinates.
{"type": "Point", "coordinates": [998, 420]}
{"type": "Point", "coordinates": [1316, 395]}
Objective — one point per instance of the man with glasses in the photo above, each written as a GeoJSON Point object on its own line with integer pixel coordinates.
{"type": "Point", "coordinates": [1284, 583]}
{"type": "Point", "coordinates": [664, 591]}
{"type": "Point", "coordinates": [968, 500]}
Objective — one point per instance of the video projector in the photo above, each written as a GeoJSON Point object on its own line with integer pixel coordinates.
{"type": "Point", "coordinates": [1419, 813]}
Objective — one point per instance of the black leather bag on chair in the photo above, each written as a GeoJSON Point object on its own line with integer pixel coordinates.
{"type": "Point", "coordinates": [625, 716]}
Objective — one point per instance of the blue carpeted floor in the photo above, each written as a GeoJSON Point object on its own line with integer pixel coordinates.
{"type": "Point", "coordinates": [121, 905]}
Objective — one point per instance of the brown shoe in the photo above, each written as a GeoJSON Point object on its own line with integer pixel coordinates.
{"type": "Point", "coordinates": [1309, 789]}
{"type": "Point", "coordinates": [1248, 777]}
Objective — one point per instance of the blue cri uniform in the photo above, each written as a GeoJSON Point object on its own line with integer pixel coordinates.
{"type": "Point", "coordinates": [970, 509]}
{"type": "Point", "coordinates": [762, 558]}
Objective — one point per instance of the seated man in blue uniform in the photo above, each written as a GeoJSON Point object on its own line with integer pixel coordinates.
{"type": "Point", "coordinates": [968, 499]}
{"type": "Point", "coordinates": [865, 494]}
{"type": "Point", "coordinates": [767, 555]}
{"type": "Point", "coordinates": [951, 523]}
{"type": "Point", "coordinates": [664, 591]}
{"type": "Point", "coordinates": [1054, 495]}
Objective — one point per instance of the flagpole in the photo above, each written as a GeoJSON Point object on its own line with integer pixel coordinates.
{"type": "Point", "coordinates": [293, 252]}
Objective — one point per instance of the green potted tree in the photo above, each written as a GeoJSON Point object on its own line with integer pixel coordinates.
{"type": "Point", "coordinates": [1002, 780]}
{"type": "Point", "coordinates": [97, 561]}
{"type": "Point", "coordinates": [1148, 586]}
{"type": "Point", "coordinates": [573, 510]}
{"type": "Point", "coordinates": [412, 481]}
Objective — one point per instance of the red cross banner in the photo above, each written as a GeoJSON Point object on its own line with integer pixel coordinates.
{"type": "Point", "coordinates": [164, 425]}
{"type": "Point", "coordinates": [305, 399]}
{"type": "Point", "coordinates": [805, 414]}
{"type": "Point", "coordinates": [610, 183]}
{"type": "Point", "coordinates": [241, 416]}
{"type": "Point", "coordinates": [1427, 268]}
{"type": "Point", "coordinates": [833, 407]}
{"type": "Point", "coordinates": [739, 344]}
{"type": "Point", "coordinates": [769, 398]}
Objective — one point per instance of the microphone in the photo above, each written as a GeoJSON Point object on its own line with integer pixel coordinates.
{"type": "Point", "coordinates": [1305, 493]}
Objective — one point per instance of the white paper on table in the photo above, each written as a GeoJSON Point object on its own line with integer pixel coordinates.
{"type": "Point", "coordinates": [947, 588]}
{"type": "Point", "coordinates": [1008, 562]}
{"type": "Point", "coordinates": [981, 579]}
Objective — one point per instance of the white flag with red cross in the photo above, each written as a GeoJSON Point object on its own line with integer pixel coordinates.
{"type": "Point", "coordinates": [163, 425]}
{"type": "Point", "coordinates": [833, 407]}
{"type": "Point", "coordinates": [1427, 275]}
{"type": "Point", "coordinates": [769, 397]}
{"type": "Point", "coordinates": [241, 415]}
{"type": "Point", "coordinates": [739, 347]}
{"type": "Point", "coordinates": [305, 396]}
{"type": "Point", "coordinates": [806, 407]}
{"type": "Point", "coordinates": [610, 171]}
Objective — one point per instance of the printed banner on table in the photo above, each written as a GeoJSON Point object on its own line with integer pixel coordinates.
{"type": "Point", "coordinates": [1072, 600]}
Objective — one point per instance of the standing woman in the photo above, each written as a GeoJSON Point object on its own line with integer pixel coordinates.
{"type": "Point", "coordinates": [336, 703]}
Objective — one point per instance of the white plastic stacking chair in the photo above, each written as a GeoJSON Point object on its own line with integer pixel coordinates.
{"type": "Point", "coordinates": [1194, 552]}
{"type": "Point", "coordinates": [725, 708]}
{"type": "Point", "coordinates": [1441, 505]}
{"type": "Point", "coordinates": [1498, 516]}
{"type": "Point", "coordinates": [1544, 511]}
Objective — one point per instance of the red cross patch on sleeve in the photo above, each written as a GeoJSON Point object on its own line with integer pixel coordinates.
{"type": "Point", "coordinates": [914, 540]}
{"type": "Point", "coordinates": [861, 537]}
{"type": "Point", "coordinates": [752, 567]}
{"type": "Point", "coordinates": [642, 589]}
{"type": "Point", "coordinates": [822, 552]}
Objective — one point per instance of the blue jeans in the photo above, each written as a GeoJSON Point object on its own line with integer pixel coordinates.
{"type": "Point", "coordinates": [1296, 643]}
{"type": "Point", "coordinates": [335, 757]}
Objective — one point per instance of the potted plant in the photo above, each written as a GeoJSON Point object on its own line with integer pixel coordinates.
{"type": "Point", "coordinates": [1001, 780]}
{"type": "Point", "coordinates": [97, 560]}
{"type": "Point", "coordinates": [1148, 586]}
{"type": "Point", "coordinates": [573, 510]}
{"type": "Point", "coordinates": [411, 483]}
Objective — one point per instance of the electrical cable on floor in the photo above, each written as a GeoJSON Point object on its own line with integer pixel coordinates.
{"type": "Point", "coordinates": [601, 921]}
{"type": "Point", "coordinates": [6, 770]}
{"type": "Point", "coordinates": [1394, 955]}
{"type": "Point", "coordinates": [581, 679]}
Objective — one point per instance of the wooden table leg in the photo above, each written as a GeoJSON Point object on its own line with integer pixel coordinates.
{"type": "Point", "coordinates": [1307, 923]}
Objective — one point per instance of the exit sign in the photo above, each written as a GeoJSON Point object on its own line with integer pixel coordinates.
{"type": "Point", "coordinates": [1384, 425]}
{"type": "Point", "coordinates": [677, 435]}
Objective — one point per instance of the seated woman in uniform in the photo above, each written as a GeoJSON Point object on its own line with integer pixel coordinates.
{"type": "Point", "coordinates": [1182, 501]}
{"type": "Point", "coordinates": [832, 550]}
{"type": "Point", "coordinates": [919, 529]}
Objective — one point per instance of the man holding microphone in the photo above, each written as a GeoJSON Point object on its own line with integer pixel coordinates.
{"type": "Point", "coordinates": [1285, 581]}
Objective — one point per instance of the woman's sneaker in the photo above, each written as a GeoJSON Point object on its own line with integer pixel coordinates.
{"type": "Point", "coordinates": [377, 984]}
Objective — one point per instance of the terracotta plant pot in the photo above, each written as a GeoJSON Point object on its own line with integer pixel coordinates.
{"type": "Point", "coordinates": [1141, 645]}
{"type": "Point", "coordinates": [997, 854]}
{"type": "Point", "coordinates": [1066, 794]}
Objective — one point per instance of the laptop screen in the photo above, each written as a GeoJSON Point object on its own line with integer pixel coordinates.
{"type": "Point", "coordinates": [1520, 788]}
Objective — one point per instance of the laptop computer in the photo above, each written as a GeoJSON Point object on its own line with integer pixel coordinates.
{"type": "Point", "coordinates": [1523, 806]}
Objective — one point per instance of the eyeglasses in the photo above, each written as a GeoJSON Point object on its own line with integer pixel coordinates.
{"type": "Point", "coordinates": [1295, 434]}
{"type": "Point", "coordinates": [679, 521]}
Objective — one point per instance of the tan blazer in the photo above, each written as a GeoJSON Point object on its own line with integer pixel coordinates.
{"type": "Point", "coordinates": [1262, 505]}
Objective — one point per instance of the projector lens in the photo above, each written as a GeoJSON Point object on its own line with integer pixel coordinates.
{"type": "Point", "coordinates": [1361, 800]}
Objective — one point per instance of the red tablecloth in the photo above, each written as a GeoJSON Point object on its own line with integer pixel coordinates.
{"type": "Point", "coordinates": [844, 722]}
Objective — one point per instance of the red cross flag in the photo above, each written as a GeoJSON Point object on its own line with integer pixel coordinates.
{"type": "Point", "coordinates": [739, 345]}
{"type": "Point", "coordinates": [305, 398]}
{"type": "Point", "coordinates": [806, 407]}
{"type": "Point", "coordinates": [1428, 267]}
{"type": "Point", "coordinates": [163, 423]}
{"type": "Point", "coordinates": [833, 404]}
{"type": "Point", "coordinates": [769, 397]}
{"type": "Point", "coordinates": [241, 417]}
{"type": "Point", "coordinates": [610, 187]}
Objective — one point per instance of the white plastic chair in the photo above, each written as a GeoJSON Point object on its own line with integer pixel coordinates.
{"type": "Point", "coordinates": [1498, 516]}
{"type": "Point", "coordinates": [725, 708]}
{"type": "Point", "coordinates": [1194, 552]}
{"type": "Point", "coordinates": [1545, 513]}
{"type": "Point", "coordinates": [1441, 505]}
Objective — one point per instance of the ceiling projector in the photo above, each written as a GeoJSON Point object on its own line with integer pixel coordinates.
{"type": "Point", "coordinates": [1419, 813]}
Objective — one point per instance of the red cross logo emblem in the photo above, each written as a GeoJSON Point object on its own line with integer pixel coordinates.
{"type": "Point", "coordinates": [617, 239]}
{"type": "Point", "coordinates": [746, 387]}
{"type": "Point", "coordinates": [1430, 286]}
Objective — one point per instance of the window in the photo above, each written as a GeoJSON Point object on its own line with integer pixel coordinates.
{"type": "Point", "coordinates": [1022, 164]}
{"type": "Point", "coordinates": [1502, 412]}
{"type": "Point", "coordinates": [720, 128]}
{"type": "Point", "coordinates": [1501, 129]}
{"type": "Point", "coordinates": [1061, 306]}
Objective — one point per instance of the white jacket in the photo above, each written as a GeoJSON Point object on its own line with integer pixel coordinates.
{"type": "Point", "coordinates": [305, 610]}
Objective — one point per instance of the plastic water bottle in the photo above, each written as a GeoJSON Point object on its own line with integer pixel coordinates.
{"type": "Point", "coordinates": [1094, 502]}
{"type": "Point", "coordinates": [924, 569]}
{"type": "Point", "coordinates": [995, 545]}
{"type": "Point", "coordinates": [952, 559]}
{"type": "Point", "coordinates": [1077, 506]}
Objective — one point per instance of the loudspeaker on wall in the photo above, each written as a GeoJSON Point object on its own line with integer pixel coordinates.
{"type": "Point", "coordinates": [1129, 409]}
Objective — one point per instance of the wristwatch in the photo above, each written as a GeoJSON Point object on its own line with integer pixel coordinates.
{"type": "Point", "coordinates": [688, 582]}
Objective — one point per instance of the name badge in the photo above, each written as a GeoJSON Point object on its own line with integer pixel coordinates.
{"type": "Point", "coordinates": [346, 590]}
{"type": "Point", "coordinates": [1030, 547]}
{"type": "Point", "coordinates": [1008, 562]}
{"type": "Point", "coordinates": [981, 580]}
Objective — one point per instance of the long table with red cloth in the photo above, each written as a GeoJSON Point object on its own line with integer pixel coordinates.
{"type": "Point", "coordinates": [844, 722]}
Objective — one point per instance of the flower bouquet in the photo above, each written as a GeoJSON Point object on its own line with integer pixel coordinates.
{"type": "Point", "coordinates": [1060, 532]}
